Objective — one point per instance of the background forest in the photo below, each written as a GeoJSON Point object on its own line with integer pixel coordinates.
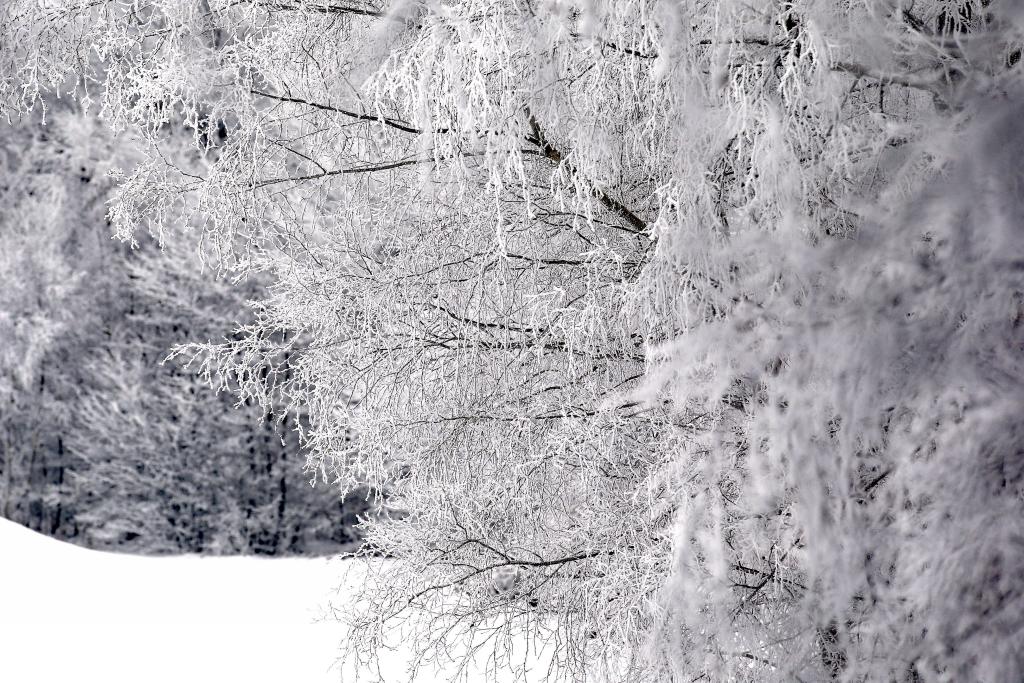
{"type": "Point", "coordinates": [102, 443]}
{"type": "Point", "coordinates": [686, 337]}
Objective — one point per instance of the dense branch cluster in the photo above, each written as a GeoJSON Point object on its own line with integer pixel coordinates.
{"type": "Point", "coordinates": [684, 336]}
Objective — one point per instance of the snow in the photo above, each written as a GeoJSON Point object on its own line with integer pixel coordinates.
{"type": "Point", "coordinates": [70, 614]}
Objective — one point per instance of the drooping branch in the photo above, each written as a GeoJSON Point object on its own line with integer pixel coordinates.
{"type": "Point", "coordinates": [638, 225]}
{"type": "Point", "coordinates": [322, 9]}
{"type": "Point", "coordinates": [931, 85]}
{"type": "Point", "coordinates": [371, 168]}
{"type": "Point", "coordinates": [392, 123]}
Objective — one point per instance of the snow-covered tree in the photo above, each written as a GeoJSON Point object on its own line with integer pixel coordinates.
{"type": "Point", "coordinates": [685, 335]}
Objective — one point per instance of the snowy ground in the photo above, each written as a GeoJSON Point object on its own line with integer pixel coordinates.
{"type": "Point", "coordinates": [68, 614]}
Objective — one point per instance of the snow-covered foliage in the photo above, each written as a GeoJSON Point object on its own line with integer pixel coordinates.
{"type": "Point", "coordinates": [685, 333]}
